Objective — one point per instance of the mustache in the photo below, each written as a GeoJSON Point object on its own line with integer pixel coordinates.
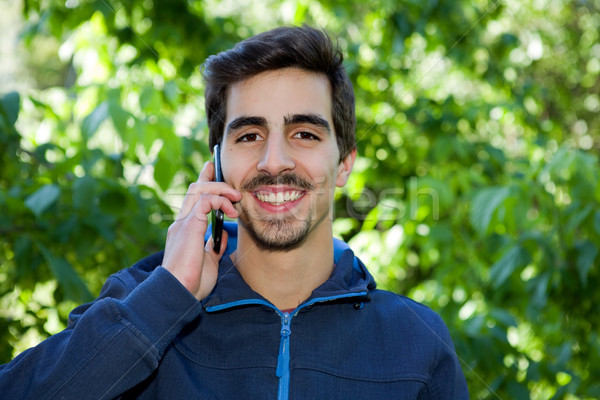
{"type": "Point", "coordinates": [270, 180]}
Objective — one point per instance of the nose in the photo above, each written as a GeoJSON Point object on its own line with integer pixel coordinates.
{"type": "Point", "coordinates": [276, 157]}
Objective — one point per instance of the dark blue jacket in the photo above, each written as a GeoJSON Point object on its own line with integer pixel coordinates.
{"type": "Point", "coordinates": [147, 337]}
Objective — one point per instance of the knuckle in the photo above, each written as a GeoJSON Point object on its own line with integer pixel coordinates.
{"type": "Point", "coordinates": [192, 188]}
{"type": "Point", "coordinates": [196, 188]}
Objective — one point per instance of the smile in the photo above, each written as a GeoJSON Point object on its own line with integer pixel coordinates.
{"type": "Point", "coordinates": [279, 198]}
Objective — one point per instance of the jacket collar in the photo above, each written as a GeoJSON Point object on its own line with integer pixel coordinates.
{"type": "Point", "coordinates": [349, 278]}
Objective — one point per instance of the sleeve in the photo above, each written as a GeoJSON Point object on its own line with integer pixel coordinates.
{"type": "Point", "coordinates": [111, 344]}
{"type": "Point", "coordinates": [447, 380]}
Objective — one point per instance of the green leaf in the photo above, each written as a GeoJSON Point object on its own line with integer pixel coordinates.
{"type": "Point", "coordinates": [119, 118]}
{"type": "Point", "coordinates": [150, 99]}
{"type": "Point", "coordinates": [27, 261]}
{"type": "Point", "coordinates": [171, 92]}
{"type": "Point", "coordinates": [516, 257]}
{"type": "Point", "coordinates": [146, 133]}
{"type": "Point", "coordinates": [436, 191]}
{"type": "Point", "coordinates": [484, 206]}
{"type": "Point", "coordinates": [504, 317]}
{"type": "Point", "coordinates": [597, 221]}
{"type": "Point", "coordinates": [539, 289]}
{"type": "Point", "coordinates": [474, 325]}
{"type": "Point", "coordinates": [42, 199]}
{"type": "Point", "coordinates": [586, 254]}
{"type": "Point", "coordinates": [517, 391]}
{"type": "Point", "coordinates": [114, 201]}
{"type": "Point", "coordinates": [560, 165]}
{"type": "Point", "coordinates": [84, 193]}
{"type": "Point", "coordinates": [9, 108]}
{"type": "Point", "coordinates": [578, 217]}
{"type": "Point", "coordinates": [92, 122]}
{"type": "Point", "coordinates": [74, 287]}
{"type": "Point", "coordinates": [533, 371]}
{"type": "Point", "coordinates": [164, 171]}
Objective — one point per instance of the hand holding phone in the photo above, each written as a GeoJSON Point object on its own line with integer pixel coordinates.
{"type": "Point", "coordinates": [217, 215]}
{"type": "Point", "coordinates": [185, 257]}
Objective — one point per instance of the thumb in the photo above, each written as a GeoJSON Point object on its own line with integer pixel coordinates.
{"type": "Point", "coordinates": [210, 267]}
{"type": "Point", "coordinates": [208, 247]}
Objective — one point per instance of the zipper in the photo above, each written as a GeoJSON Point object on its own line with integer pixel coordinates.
{"type": "Point", "coordinates": [283, 359]}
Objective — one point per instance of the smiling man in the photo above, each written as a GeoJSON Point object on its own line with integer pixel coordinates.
{"type": "Point", "coordinates": [281, 152]}
{"type": "Point", "coordinates": [283, 310]}
{"type": "Point", "coordinates": [279, 134]}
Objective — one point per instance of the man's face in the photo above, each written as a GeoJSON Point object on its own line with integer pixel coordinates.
{"type": "Point", "coordinates": [279, 150]}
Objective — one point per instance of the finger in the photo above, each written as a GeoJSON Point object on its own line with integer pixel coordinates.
{"type": "Point", "coordinates": [191, 194]}
{"type": "Point", "coordinates": [198, 190]}
{"type": "Point", "coordinates": [195, 190]}
{"type": "Point", "coordinates": [208, 247]}
{"type": "Point", "coordinates": [207, 174]}
{"type": "Point", "coordinates": [202, 187]}
{"type": "Point", "coordinates": [208, 202]}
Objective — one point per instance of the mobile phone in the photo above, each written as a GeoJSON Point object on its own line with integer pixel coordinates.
{"type": "Point", "coordinates": [217, 215]}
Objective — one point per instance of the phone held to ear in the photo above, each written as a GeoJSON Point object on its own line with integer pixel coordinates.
{"type": "Point", "coordinates": [217, 215]}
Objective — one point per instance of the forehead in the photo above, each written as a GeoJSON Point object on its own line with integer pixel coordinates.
{"type": "Point", "coordinates": [278, 93]}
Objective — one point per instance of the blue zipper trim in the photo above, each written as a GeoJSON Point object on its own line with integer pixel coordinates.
{"type": "Point", "coordinates": [225, 306]}
{"type": "Point", "coordinates": [283, 358]}
{"type": "Point", "coordinates": [232, 304]}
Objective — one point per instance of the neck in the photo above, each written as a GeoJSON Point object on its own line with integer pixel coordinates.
{"type": "Point", "coordinates": [285, 278]}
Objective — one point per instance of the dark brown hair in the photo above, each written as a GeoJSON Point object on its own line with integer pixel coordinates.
{"type": "Point", "coordinates": [301, 47]}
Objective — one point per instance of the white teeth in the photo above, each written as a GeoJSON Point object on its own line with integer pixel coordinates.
{"type": "Point", "coordinates": [279, 197]}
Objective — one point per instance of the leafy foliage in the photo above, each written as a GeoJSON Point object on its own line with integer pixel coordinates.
{"type": "Point", "coordinates": [476, 190]}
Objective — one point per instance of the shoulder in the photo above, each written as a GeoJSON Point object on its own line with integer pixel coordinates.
{"type": "Point", "coordinates": [140, 271]}
{"type": "Point", "coordinates": [120, 284]}
{"type": "Point", "coordinates": [409, 317]}
{"type": "Point", "coordinates": [137, 273]}
{"type": "Point", "coordinates": [425, 343]}
{"type": "Point", "coordinates": [398, 303]}
{"type": "Point", "coordinates": [400, 339]}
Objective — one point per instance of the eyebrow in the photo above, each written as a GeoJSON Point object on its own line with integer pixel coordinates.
{"type": "Point", "coordinates": [313, 119]}
{"type": "Point", "coordinates": [243, 121]}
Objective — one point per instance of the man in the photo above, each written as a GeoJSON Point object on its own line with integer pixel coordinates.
{"type": "Point", "coordinates": [290, 312]}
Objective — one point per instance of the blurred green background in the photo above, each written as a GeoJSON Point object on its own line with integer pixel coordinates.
{"type": "Point", "coordinates": [475, 192]}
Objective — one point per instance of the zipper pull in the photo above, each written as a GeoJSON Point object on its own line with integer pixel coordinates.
{"type": "Point", "coordinates": [285, 326]}
{"type": "Point", "coordinates": [283, 359]}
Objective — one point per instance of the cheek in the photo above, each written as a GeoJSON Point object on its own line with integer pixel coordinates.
{"type": "Point", "coordinates": [236, 169]}
{"type": "Point", "coordinates": [229, 165]}
{"type": "Point", "coordinates": [324, 178]}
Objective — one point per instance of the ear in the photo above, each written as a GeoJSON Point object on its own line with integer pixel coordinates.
{"type": "Point", "coordinates": [345, 168]}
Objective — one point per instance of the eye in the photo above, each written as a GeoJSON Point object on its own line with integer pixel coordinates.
{"type": "Point", "coordinates": [306, 135]}
{"type": "Point", "coordinates": [249, 137]}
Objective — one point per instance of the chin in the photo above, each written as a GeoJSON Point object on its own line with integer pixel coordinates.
{"type": "Point", "coordinates": [277, 234]}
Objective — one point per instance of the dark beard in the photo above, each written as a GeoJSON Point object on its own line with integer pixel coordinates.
{"type": "Point", "coordinates": [278, 233]}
